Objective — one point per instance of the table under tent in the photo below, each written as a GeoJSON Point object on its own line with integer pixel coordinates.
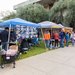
{"type": "Point", "coordinates": [12, 50]}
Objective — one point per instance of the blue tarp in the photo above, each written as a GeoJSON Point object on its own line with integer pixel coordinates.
{"type": "Point", "coordinates": [18, 21]}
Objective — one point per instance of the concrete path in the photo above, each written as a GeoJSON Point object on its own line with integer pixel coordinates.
{"type": "Point", "coordinates": [56, 62]}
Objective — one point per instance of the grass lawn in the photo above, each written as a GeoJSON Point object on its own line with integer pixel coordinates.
{"type": "Point", "coordinates": [34, 51]}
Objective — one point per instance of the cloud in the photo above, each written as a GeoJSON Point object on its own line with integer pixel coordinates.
{"type": "Point", "coordinates": [8, 4]}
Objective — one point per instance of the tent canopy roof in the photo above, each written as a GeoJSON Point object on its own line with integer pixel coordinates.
{"type": "Point", "coordinates": [61, 25]}
{"type": "Point", "coordinates": [18, 21]}
{"type": "Point", "coordinates": [48, 24]}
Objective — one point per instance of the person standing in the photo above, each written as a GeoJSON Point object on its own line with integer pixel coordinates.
{"type": "Point", "coordinates": [62, 36]}
{"type": "Point", "coordinates": [73, 38]}
{"type": "Point", "coordinates": [4, 38]}
{"type": "Point", "coordinates": [56, 37]}
{"type": "Point", "coordinates": [67, 38]}
{"type": "Point", "coordinates": [47, 38]}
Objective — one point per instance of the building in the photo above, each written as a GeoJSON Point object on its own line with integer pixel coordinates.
{"type": "Point", "coordinates": [46, 3]}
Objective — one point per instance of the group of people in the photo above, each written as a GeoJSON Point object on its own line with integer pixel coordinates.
{"type": "Point", "coordinates": [58, 39]}
{"type": "Point", "coordinates": [52, 40]}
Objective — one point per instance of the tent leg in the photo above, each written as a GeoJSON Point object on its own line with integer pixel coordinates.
{"type": "Point", "coordinates": [43, 37]}
{"type": "Point", "coordinates": [9, 37]}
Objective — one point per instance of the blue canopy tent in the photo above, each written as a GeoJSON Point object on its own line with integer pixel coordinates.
{"type": "Point", "coordinates": [17, 21]}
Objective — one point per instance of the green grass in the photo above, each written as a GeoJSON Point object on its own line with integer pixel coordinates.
{"type": "Point", "coordinates": [34, 51]}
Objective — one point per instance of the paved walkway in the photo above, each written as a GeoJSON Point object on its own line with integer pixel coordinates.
{"type": "Point", "coordinates": [56, 62]}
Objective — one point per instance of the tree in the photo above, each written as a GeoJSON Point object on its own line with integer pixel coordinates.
{"type": "Point", "coordinates": [63, 6]}
{"type": "Point", "coordinates": [8, 15]}
{"type": "Point", "coordinates": [34, 13]}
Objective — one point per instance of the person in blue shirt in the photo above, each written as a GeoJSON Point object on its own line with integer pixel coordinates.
{"type": "Point", "coordinates": [67, 38]}
{"type": "Point", "coordinates": [62, 36]}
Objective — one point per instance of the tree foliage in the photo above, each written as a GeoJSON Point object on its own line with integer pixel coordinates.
{"type": "Point", "coordinates": [11, 15]}
{"type": "Point", "coordinates": [34, 13]}
{"type": "Point", "coordinates": [57, 12]}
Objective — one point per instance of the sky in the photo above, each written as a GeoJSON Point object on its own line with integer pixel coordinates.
{"type": "Point", "coordinates": [8, 4]}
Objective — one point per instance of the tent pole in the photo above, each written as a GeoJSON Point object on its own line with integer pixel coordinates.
{"type": "Point", "coordinates": [43, 37]}
{"type": "Point", "coordinates": [9, 37]}
{"type": "Point", "coordinates": [51, 32]}
{"type": "Point", "coordinates": [51, 37]}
